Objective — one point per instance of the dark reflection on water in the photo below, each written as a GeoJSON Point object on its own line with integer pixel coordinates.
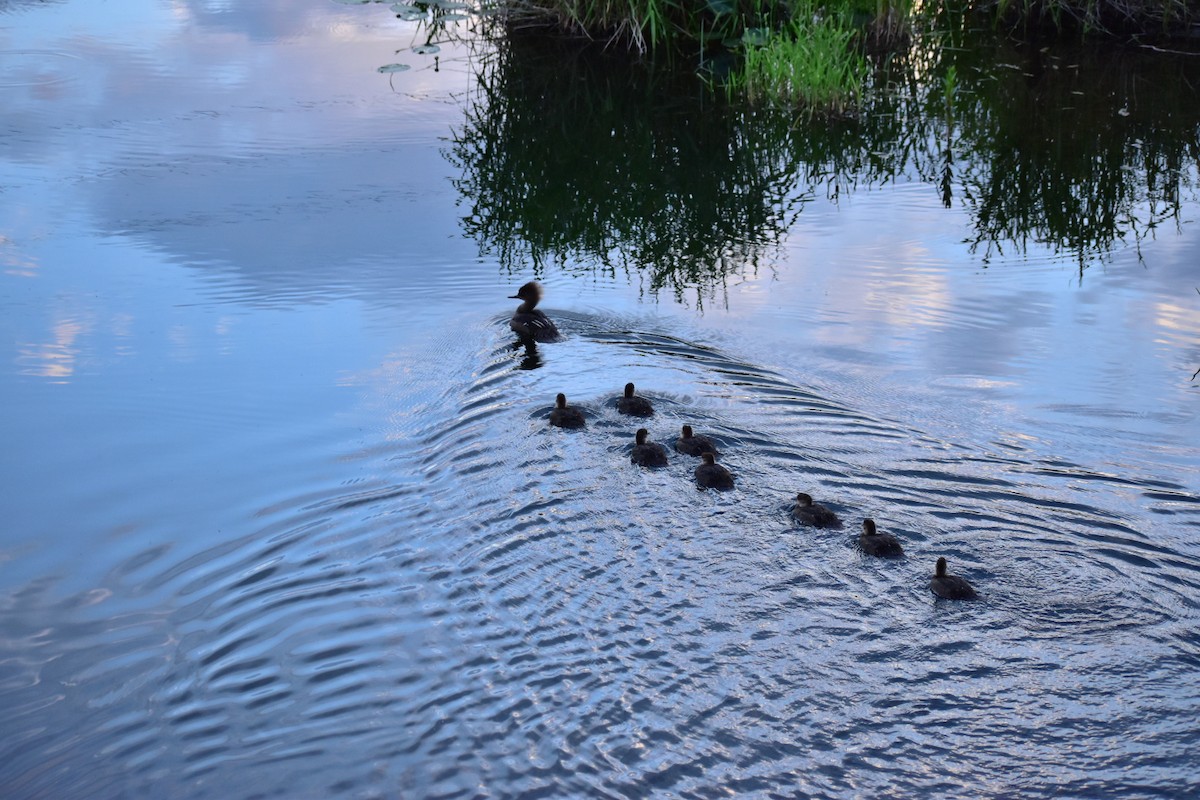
{"type": "Point", "coordinates": [573, 156]}
{"type": "Point", "coordinates": [582, 160]}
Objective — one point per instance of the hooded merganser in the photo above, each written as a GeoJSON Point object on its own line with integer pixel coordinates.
{"type": "Point", "coordinates": [634, 406]}
{"type": "Point", "coordinates": [878, 544]}
{"type": "Point", "coordinates": [951, 587]}
{"type": "Point", "coordinates": [691, 445]}
{"type": "Point", "coordinates": [711, 475]}
{"type": "Point", "coordinates": [565, 416]}
{"type": "Point", "coordinates": [648, 454]}
{"type": "Point", "coordinates": [815, 514]}
{"type": "Point", "coordinates": [528, 322]}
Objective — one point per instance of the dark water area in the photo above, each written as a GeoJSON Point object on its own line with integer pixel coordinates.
{"type": "Point", "coordinates": [283, 516]}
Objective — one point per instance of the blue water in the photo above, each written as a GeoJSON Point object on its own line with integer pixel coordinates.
{"type": "Point", "coordinates": [283, 515]}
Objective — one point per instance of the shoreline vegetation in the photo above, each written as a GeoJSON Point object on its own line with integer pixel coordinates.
{"type": "Point", "coordinates": [816, 56]}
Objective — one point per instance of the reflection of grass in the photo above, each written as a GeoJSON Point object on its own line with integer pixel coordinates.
{"type": "Point", "coordinates": [1055, 146]}
{"type": "Point", "coordinates": [1149, 16]}
{"type": "Point", "coordinates": [585, 161]}
{"type": "Point", "coordinates": [581, 159]}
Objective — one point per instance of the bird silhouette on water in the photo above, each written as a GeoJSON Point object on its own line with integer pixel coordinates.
{"type": "Point", "coordinates": [634, 406]}
{"type": "Point", "coordinates": [711, 475]}
{"type": "Point", "coordinates": [878, 544]}
{"type": "Point", "coordinates": [528, 322]}
{"type": "Point", "coordinates": [809, 513]}
{"type": "Point", "coordinates": [565, 416]}
{"type": "Point", "coordinates": [647, 454]}
{"type": "Point", "coordinates": [951, 587]}
{"type": "Point", "coordinates": [690, 444]}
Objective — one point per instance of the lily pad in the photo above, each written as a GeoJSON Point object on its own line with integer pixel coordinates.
{"type": "Point", "coordinates": [721, 7]}
{"type": "Point", "coordinates": [386, 68]}
{"type": "Point", "coordinates": [448, 5]}
{"type": "Point", "coordinates": [353, 2]}
{"type": "Point", "coordinates": [426, 49]}
{"type": "Point", "coordinates": [408, 13]}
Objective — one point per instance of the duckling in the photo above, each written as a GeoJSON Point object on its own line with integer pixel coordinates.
{"type": "Point", "coordinates": [565, 416]}
{"type": "Point", "coordinates": [711, 475]}
{"type": "Point", "coordinates": [528, 322]}
{"type": "Point", "coordinates": [634, 406]}
{"type": "Point", "coordinates": [951, 587]}
{"type": "Point", "coordinates": [878, 544]}
{"type": "Point", "coordinates": [815, 514]}
{"type": "Point", "coordinates": [648, 454]}
{"type": "Point", "coordinates": [691, 445]}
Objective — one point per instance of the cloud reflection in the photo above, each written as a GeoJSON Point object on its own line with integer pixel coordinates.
{"type": "Point", "coordinates": [55, 359]}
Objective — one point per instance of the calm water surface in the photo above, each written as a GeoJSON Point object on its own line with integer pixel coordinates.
{"type": "Point", "coordinates": [283, 516]}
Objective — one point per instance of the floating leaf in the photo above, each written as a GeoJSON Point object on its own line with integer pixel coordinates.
{"type": "Point", "coordinates": [721, 7]}
{"type": "Point", "coordinates": [408, 13]}
{"type": "Point", "coordinates": [426, 49]}
{"type": "Point", "coordinates": [354, 2]}
{"type": "Point", "coordinates": [394, 68]}
{"type": "Point", "coordinates": [452, 17]}
{"type": "Point", "coordinates": [447, 5]}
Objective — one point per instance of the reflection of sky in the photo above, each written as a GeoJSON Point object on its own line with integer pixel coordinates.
{"type": "Point", "coordinates": [234, 289]}
{"type": "Point", "coordinates": [256, 145]}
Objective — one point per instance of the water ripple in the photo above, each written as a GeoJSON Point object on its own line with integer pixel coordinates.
{"type": "Point", "coordinates": [499, 602]}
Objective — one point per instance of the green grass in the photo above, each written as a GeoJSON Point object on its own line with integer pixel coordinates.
{"type": "Point", "coordinates": [811, 64]}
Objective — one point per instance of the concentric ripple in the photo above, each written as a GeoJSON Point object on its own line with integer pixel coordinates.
{"type": "Point", "coordinates": [495, 602]}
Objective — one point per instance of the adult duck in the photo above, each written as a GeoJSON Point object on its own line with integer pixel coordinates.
{"type": "Point", "coordinates": [529, 323]}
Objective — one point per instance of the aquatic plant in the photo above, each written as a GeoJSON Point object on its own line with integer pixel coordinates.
{"type": "Point", "coordinates": [809, 64]}
{"type": "Point", "coordinates": [644, 25]}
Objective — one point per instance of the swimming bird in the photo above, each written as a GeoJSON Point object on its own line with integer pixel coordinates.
{"type": "Point", "coordinates": [878, 544]}
{"type": "Point", "coordinates": [565, 416]}
{"type": "Point", "coordinates": [648, 454]}
{"type": "Point", "coordinates": [951, 587]}
{"type": "Point", "coordinates": [815, 514]}
{"type": "Point", "coordinates": [634, 406]}
{"type": "Point", "coordinates": [711, 475]}
{"type": "Point", "coordinates": [529, 323]}
{"type": "Point", "coordinates": [691, 445]}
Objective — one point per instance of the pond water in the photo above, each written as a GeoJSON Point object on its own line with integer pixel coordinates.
{"type": "Point", "coordinates": [283, 515]}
